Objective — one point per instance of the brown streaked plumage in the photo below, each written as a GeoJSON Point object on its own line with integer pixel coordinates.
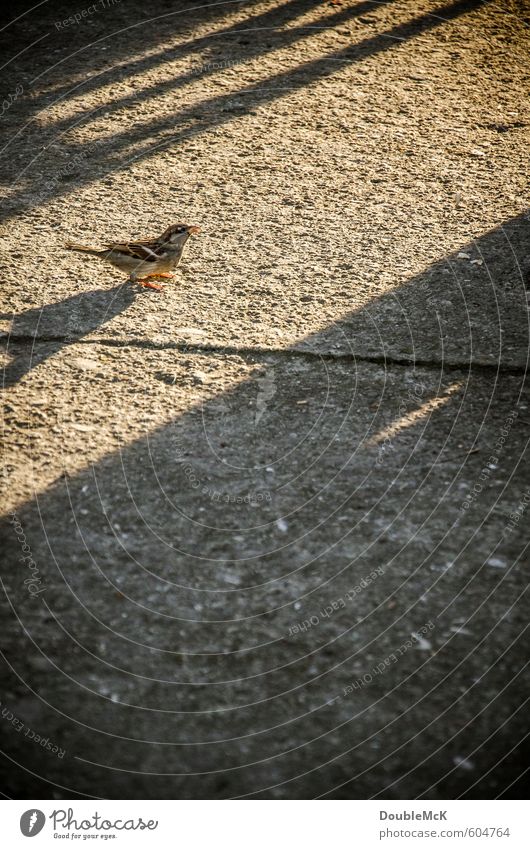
{"type": "Point", "coordinates": [146, 258]}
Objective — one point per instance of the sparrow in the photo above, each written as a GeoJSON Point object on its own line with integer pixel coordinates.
{"type": "Point", "coordinates": [147, 258]}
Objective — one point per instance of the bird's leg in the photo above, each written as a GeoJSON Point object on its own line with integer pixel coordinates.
{"type": "Point", "coordinates": [147, 285]}
{"type": "Point", "coordinates": [133, 278]}
{"type": "Point", "coordinates": [155, 285]}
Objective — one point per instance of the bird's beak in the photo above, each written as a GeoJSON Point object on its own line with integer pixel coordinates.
{"type": "Point", "coordinates": [194, 229]}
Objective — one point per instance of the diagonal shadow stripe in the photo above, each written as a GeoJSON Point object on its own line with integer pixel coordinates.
{"type": "Point", "coordinates": [267, 21]}
{"type": "Point", "coordinates": [219, 110]}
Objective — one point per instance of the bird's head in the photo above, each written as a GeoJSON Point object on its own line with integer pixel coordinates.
{"type": "Point", "coordinates": [177, 234]}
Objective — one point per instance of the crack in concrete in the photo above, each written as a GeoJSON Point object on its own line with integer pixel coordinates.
{"type": "Point", "coordinates": [195, 348]}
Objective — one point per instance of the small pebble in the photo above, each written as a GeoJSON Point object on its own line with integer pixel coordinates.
{"type": "Point", "coordinates": [497, 563]}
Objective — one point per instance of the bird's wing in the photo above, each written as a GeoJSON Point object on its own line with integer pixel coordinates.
{"type": "Point", "coordinates": [143, 251]}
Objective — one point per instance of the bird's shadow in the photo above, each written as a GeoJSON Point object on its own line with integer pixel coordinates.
{"type": "Point", "coordinates": [58, 324]}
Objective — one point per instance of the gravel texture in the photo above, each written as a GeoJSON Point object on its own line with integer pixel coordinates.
{"type": "Point", "coordinates": [273, 517]}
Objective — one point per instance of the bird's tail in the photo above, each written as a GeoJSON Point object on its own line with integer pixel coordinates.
{"type": "Point", "coordinates": [83, 248]}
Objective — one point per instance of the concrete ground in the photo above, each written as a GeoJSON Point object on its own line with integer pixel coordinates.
{"type": "Point", "coordinates": [264, 532]}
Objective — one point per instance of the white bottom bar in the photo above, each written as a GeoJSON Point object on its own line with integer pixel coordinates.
{"type": "Point", "coordinates": [265, 824]}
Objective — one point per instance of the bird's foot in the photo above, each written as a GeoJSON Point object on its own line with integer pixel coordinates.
{"type": "Point", "coordinates": [147, 285]}
{"type": "Point", "coordinates": [162, 274]}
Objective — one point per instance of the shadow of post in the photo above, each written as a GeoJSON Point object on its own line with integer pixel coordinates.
{"type": "Point", "coordinates": [218, 110]}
